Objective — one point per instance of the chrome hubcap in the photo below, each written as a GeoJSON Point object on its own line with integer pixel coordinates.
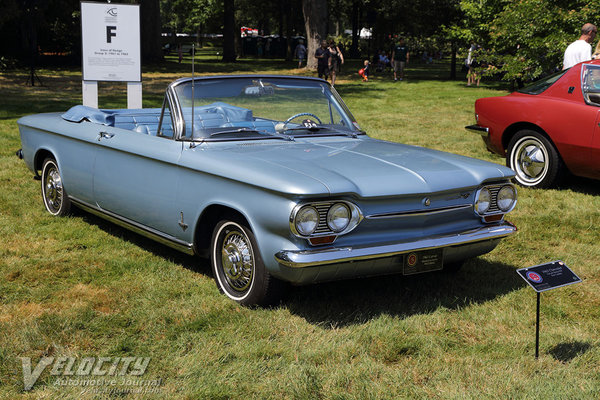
{"type": "Point", "coordinates": [237, 261]}
{"type": "Point", "coordinates": [53, 189]}
{"type": "Point", "coordinates": [530, 161]}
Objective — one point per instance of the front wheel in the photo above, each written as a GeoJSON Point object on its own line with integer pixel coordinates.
{"type": "Point", "coordinates": [53, 192]}
{"type": "Point", "coordinates": [534, 159]}
{"type": "Point", "coordinates": [238, 268]}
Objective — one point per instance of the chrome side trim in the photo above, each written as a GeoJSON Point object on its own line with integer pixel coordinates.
{"type": "Point", "coordinates": [482, 130]}
{"type": "Point", "coordinates": [311, 258]}
{"type": "Point", "coordinates": [413, 213]}
{"type": "Point", "coordinates": [136, 227]}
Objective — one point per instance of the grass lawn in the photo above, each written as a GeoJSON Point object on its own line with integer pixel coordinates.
{"type": "Point", "coordinates": [82, 287]}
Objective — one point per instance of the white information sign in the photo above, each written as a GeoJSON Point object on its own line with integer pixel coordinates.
{"type": "Point", "coordinates": [110, 35]}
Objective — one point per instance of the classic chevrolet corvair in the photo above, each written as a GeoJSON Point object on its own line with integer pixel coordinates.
{"type": "Point", "coordinates": [273, 179]}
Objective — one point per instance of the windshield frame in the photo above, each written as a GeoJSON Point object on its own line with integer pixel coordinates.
{"type": "Point", "coordinates": [179, 124]}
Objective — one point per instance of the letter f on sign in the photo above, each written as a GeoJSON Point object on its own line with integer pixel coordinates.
{"type": "Point", "coordinates": [110, 33]}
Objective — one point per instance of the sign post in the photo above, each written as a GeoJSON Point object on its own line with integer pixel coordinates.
{"type": "Point", "coordinates": [545, 277]}
{"type": "Point", "coordinates": [111, 50]}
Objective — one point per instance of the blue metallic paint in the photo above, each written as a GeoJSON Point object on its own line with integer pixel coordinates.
{"type": "Point", "coordinates": [153, 181]}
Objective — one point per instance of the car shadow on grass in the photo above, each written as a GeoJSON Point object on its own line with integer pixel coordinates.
{"type": "Point", "coordinates": [581, 185]}
{"type": "Point", "coordinates": [357, 301]}
{"type": "Point", "coordinates": [337, 304]}
{"type": "Point", "coordinates": [193, 263]}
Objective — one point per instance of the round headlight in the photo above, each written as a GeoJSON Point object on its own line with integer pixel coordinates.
{"type": "Point", "coordinates": [482, 204]}
{"type": "Point", "coordinates": [307, 220]}
{"type": "Point", "coordinates": [506, 198]}
{"type": "Point", "coordinates": [338, 217]}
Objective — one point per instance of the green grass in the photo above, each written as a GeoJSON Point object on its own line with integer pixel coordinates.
{"type": "Point", "coordinates": [80, 286]}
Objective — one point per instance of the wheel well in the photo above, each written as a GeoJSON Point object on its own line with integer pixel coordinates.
{"type": "Point", "coordinates": [39, 158]}
{"type": "Point", "coordinates": [513, 129]}
{"type": "Point", "coordinates": [207, 222]}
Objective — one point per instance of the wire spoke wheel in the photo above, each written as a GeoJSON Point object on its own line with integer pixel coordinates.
{"type": "Point", "coordinates": [53, 192]}
{"type": "Point", "coordinates": [237, 265]}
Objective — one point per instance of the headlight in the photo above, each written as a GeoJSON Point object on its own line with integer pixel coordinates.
{"type": "Point", "coordinates": [482, 203]}
{"type": "Point", "coordinates": [307, 220]}
{"type": "Point", "coordinates": [506, 198]}
{"type": "Point", "coordinates": [338, 217]}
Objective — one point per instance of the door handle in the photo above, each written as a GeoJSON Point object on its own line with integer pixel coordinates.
{"type": "Point", "coordinates": [105, 135]}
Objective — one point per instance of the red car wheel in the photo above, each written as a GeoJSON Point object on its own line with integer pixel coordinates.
{"type": "Point", "coordinates": [534, 159]}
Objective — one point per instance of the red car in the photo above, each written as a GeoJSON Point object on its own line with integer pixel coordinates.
{"type": "Point", "coordinates": [547, 128]}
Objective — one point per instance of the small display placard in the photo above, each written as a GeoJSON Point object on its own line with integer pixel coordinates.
{"type": "Point", "coordinates": [423, 261]}
{"type": "Point", "coordinates": [548, 276]}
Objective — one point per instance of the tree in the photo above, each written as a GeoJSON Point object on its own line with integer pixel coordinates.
{"type": "Point", "coordinates": [150, 30]}
{"type": "Point", "coordinates": [229, 31]}
{"type": "Point", "coordinates": [315, 22]}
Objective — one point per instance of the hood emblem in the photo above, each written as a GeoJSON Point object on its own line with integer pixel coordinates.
{"type": "Point", "coordinates": [426, 201]}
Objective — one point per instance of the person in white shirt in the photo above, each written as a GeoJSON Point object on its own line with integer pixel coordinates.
{"type": "Point", "coordinates": [580, 50]}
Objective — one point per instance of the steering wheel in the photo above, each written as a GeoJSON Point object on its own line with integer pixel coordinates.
{"type": "Point", "coordinates": [302, 114]}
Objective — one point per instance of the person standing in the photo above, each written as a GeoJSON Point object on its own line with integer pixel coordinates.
{"type": "Point", "coordinates": [581, 49]}
{"type": "Point", "coordinates": [300, 52]}
{"type": "Point", "coordinates": [336, 60]}
{"type": "Point", "coordinates": [322, 55]}
{"type": "Point", "coordinates": [400, 57]}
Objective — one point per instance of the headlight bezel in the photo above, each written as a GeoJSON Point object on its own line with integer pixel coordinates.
{"type": "Point", "coordinates": [302, 211]}
{"type": "Point", "coordinates": [484, 191]}
{"type": "Point", "coordinates": [513, 201]}
{"type": "Point", "coordinates": [494, 209]}
{"type": "Point", "coordinates": [323, 228]}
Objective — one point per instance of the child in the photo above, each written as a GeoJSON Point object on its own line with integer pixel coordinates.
{"type": "Point", "coordinates": [364, 72]}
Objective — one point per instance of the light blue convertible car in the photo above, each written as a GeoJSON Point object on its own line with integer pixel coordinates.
{"type": "Point", "coordinates": [272, 178]}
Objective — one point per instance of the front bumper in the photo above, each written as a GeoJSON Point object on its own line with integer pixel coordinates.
{"type": "Point", "coordinates": [317, 257]}
{"type": "Point", "coordinates": [482, 130]}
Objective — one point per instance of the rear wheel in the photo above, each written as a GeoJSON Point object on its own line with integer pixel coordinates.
{"type": "Point", "coordinates": [534, 159]}
{"type": "Point", "coordinates": [53, 192]}
{"type": "Point", "coordinates": [238, 268]}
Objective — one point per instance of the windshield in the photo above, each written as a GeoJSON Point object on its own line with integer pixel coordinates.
{"type": "Point", "coordinates": [538, 87]}
{"type": "Point", "coordinates": [256, 107]}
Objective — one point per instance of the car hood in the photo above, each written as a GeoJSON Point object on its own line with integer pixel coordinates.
{"type": "Point", "coordinates": [364, 166]}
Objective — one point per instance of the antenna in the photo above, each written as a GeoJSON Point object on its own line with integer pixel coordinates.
{"type": "Point", "coordinates": [193, 97]}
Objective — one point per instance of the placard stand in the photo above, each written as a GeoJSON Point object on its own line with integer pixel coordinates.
{"type": "Point", "coordinates": [545, 277]}
{"type": "Point", "coordinates": [537, 327]}
{"type": "Point", "coordinates": [90, 93]}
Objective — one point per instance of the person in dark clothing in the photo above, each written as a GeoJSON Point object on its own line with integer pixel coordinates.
{"type": "Point", "coordinates": [322, 55]}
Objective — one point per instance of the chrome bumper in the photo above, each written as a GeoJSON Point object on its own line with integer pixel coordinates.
{"type": "Point", "coordinates": [479, 129]}
{"type": "Point", "coordinates": [311, 258]}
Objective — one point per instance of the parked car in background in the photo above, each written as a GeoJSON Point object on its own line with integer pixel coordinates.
{"type": "Point", "coordinates": [271, 178]}
{"type": "Point", "coordinates": [547, 128]}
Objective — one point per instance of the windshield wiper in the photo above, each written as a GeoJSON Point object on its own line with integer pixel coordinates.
{"type": "Point", "coordinates": [238, 130]}
{"type": "Point", "coordinates": [250, 130]}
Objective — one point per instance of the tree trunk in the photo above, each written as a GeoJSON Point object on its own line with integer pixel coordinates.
{"type": "Point", "coordinates": [229, 31]}
{"type": "Point", "coordinates": [150, 30]}
{"type": "Point", "coordinates": [453, 62]}
{"type": "Point", "coordinates": [355, 32]}
{"type": "Point", "coordinates": [315, 22]}
{"type": "Point", "coordinates": [289, 56]}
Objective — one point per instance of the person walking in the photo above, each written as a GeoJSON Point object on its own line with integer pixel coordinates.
{"type": "Point", "coordinates": [336, 60]}
{"type": "Point", "coordinates": [300, 52]}
{"type": "Point", "coordinates": [322, 55]}
{"type": "Point", "coordinates": [400, 57]}
{"type": "Point", "coordinates": [581, 49]}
